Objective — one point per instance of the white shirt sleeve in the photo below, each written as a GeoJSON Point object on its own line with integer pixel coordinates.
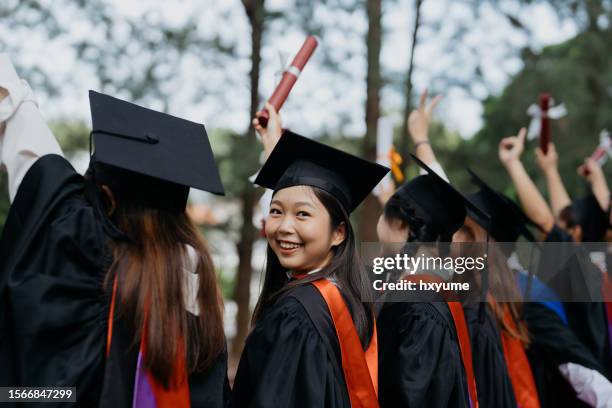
{"type": "Point", "coordinates": [264, 201]}
{"type": "Point", "coordinates": [435, 166]}
{"type": "Point", "coordinates": [24, 135]}
{"type": "Point", "coordinates": [590, 386]}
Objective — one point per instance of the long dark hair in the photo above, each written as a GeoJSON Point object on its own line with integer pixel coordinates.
{"type": "Point", "coordinates": [502, 283]}
{"type": "Point", "coordinates": [345, 267]}
{"type": "Point", "coordinates": [148, 262]}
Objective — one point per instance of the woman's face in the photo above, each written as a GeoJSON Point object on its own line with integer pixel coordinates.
{"type": "Point", "coordinates": [391, 231]}
{"type": "Point", "coordinates": [299, 231]}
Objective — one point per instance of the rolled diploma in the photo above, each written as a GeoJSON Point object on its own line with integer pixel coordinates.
{"type": "Point", "coordinates": [289, 78]}
{"type": "Point", "coordinates": [545, 129]}
{"type": "Point", "coordinates": [603, 150]}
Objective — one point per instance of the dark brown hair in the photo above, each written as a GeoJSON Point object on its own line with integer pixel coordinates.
{"type": "Point", "coordinates": [149, 266]}
{"type": "Point", "coordinates": [345, 267]}
{"type": "Point", "coordinates": [502, 284]}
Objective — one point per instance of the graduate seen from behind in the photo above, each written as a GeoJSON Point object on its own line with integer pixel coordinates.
{"type": "Point", "coordinates": [105, 283]}
{"type": "Point", "coordinates": [313, 343]}
{"type": "Point", "coordinates": [424, 346]}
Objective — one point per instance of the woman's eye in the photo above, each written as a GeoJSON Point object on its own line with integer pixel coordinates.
{"type": "Point", "coordinates": [274, 211]}
{"type": "Point", "coordinates": [303, 214]}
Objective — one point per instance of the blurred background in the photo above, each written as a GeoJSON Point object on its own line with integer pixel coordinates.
{"type": "Point", "coordinates": [215, 62]}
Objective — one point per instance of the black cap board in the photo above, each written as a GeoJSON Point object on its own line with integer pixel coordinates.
{"type": "Point", "coordinates": [508, 221]}
{"type": "Point", "coordinates": [454, 198]}
{"type": "Point", "coordinates": [435, 203]}
{"type": "Point", "coordinates": [153, 156]}
{"type": "Point", "coordinates": [297, 160]}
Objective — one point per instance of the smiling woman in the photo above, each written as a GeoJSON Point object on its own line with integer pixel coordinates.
{"type": "Point", "coordinates": [313, 334]}
{"type": "Point", "coordinates": [299, 230]}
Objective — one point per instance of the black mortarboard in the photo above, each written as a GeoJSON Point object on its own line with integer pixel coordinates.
{"type": "Point", "coordinates": [445, 205]}
{"type": "Point", "coordinates": [479, 214]}
{"type": "Point", "coordinates": [299, 161]}
{"type": "Point", "coordinates": [150, 156]}
{"type": "Point", "coordinates": [593, 220]}
{"type": "Point", "coordinates": [508, 221]}
{"type": "Point", "coordinates": [434, 203]}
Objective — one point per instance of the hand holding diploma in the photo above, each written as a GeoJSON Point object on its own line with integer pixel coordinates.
{"type": "Point", "coordinates": [289, 79]}
{"type": "Point", "coordinates": [590, 170]}
{"type": "Point", "coordinates": [269, 135]}
{"type": "Point", "coordinates": [547, 161]}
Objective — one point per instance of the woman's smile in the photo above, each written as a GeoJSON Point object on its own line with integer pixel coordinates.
{"type": "Point", "coordinates": [288, 247]}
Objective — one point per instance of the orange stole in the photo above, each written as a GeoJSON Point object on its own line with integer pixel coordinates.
{"type": "Point", "coordinates": [519, 368]}
{"type": "Point", "coordinates": [463, 335]}
{"type": "Point", "coordinates": [360, 368]}
{"type": "Point", "coordinates": [178, 395]}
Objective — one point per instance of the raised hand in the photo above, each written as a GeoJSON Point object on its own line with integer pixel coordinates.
{"type": "Point", "coordinates": [547, 161]}
{"type": "Point", "coordinates": [590, 170]}
{"type": "Point", "coordinates": [418, 121]}
{"type": "Point", "coordinates": [271, 134]}
{"type": "Point", "coordinates": [511, 148]}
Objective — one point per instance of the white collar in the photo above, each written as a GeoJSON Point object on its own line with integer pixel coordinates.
{"type": "Point", "coordinates": [290, 274]}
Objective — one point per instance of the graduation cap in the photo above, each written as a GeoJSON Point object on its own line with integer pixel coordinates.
{"type": "Point", "coordinates": [148, 156]}
{"type": "Point", "coordinates": [479, 214]}
{"type": "Point", "coordinates": [508, 221]}
{"type": "Point", "coordinates": [593, 220]}
{"type": "Point", "coordinates": [438, 202]}
{"type": "Point", "coordinates": [299, 161]}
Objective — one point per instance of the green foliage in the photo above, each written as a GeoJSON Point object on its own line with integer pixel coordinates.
{"type": "Point", "coordinates": [576, 73]}
{"type": "Point", "coordinates": [73, 136]}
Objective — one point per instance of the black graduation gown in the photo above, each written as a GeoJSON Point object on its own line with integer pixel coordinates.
{"type": "Point", "coordinates": [419, 362]}
{"type": "Point", "coordinates": [587, 320]}
{"type": "Point", "coordinates": [493, 382]}
{"type": "Point", "coordinates": [290, 361]}
{"type": "Point", "coordinates": [54, 255]}
{"type": "Point", "coordinates": [553, 343]}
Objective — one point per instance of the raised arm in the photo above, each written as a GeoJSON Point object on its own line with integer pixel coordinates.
{"type": "Point", "coordinates": [418, 128]}
{"type": "Point", "coordinates": [593, 174]}
{"type": "Point", "coordinates": [24, 135]}
{"type": "Point", "coordinates": [534, 205]}
{"type": "Point", "coordinates": [270, 135]}
{"type": "Point", "coordinates": [559, 198]}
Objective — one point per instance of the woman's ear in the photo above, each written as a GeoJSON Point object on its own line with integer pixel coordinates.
{"type": "Point", "coordinates": [108, 199]}
{"type": "Point", "coordinates": [339, 235]}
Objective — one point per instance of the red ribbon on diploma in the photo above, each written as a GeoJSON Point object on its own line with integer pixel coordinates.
{"type": "Point", "coordinates": [545, 129]}
{"type": "Point", "coordinates": [289, 78]}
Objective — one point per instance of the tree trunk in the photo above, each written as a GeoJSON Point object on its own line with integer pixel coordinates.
{"type": "Point", "coordinates": [370, 209]}
{"type": "Point", "coordinates": [404, 143]}
{"type": "Point", "coordinates": [255, 12]}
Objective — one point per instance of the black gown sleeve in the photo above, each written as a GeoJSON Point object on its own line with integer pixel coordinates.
{"type": "Point", "coordinates": [578, 282]}
{"type": "Point", "coordinates": [419, 358]}
{"type": "Point", "coordinates": [53, 258]}
{"type": "Point", "coordinates": [285, 363]}
{"type": "Point", "coordinates": [493, 382]}
{"type": "Point", "coordinates": [553, 343]}
{"type": "Point", "coordinates": [211, 388]}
